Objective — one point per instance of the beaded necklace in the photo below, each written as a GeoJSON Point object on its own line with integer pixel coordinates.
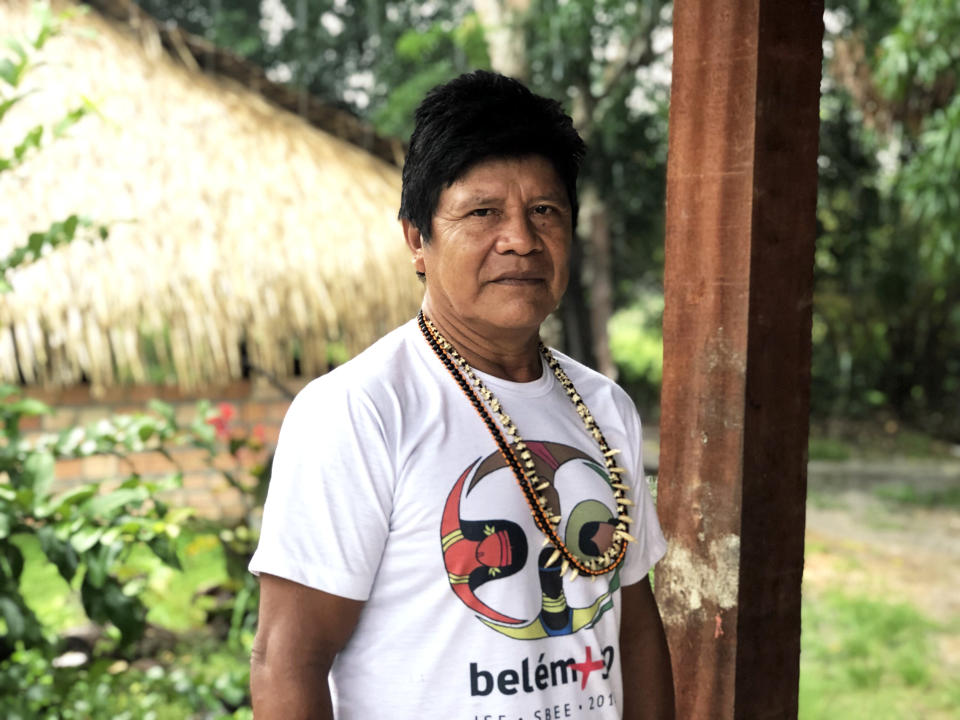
{"type": "Point", "coordinates": [547, 519]}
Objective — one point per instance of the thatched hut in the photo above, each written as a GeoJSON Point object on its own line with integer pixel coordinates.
{"type": "Point", "coordinates": [241, 233]}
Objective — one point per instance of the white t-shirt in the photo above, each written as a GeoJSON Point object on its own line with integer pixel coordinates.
{"type": "Point", "coordinates": [388, 488]}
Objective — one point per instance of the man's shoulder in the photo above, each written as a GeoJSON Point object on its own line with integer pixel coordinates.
{"type": "Point", "coordinates": [382, 368]}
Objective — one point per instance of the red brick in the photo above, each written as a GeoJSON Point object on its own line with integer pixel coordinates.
{"type": "Point", "coordinates": [73, 395]}
{"type": "Point", "coordinates": [151, 463]}
{"type": "Point", "coordinates": [190, 459]}
{"type": "Point", "coordinates": [61, 419]}
{"type": "Point", "coordinates": [100, 467]}
{"type": "Point", "coordinates": [276, 411]}
{"type": "Point", "coordinates": [271, 433]}
{"type": "Point", "coordinates": [206, 481]}
{"type": "Point", "coordinates": [109, 485]}
{"type": "Point", "coordinates": [31, 423]}
{"type": "Point", "coordinates": [91, 414]}
{"type": "Point", "coordinates": [263, 389]}
{"type": "Point", "coordinates": [67, 469]}
{"type": "Point", "coordinates": [185, 413]}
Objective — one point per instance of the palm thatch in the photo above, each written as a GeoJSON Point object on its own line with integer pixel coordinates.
{"type": "Point", "coordinates": [233, 223]}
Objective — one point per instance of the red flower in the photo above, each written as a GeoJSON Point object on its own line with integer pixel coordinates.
{"type": "Point", "coordinates": [225, 413]}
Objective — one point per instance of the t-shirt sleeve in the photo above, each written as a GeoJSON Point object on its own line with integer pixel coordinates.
{"type": "Point", "coordinates": [650, 545]}
{"type": "Point", "coordinates": [327, 512]}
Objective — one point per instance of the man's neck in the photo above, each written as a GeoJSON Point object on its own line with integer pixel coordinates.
{"type": "Point", "coordinates": [509, 354]}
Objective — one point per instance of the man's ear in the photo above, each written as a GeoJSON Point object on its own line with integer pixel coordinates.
{"type": "Point", "coordinates": [411, 233]}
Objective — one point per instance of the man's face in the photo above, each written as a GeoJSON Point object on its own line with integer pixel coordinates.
{"type": "Point", "coordinates": [499, 248]}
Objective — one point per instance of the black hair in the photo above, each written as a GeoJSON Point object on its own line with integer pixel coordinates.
{"type": "Point", "coordinates": [477, 116]}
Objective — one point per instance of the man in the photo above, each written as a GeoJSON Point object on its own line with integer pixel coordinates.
{"type": "Point", "coordinates": [458, 525]}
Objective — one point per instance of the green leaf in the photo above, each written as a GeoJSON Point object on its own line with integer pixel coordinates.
{"type": "Point", "coordinates": [165, 548]}
{"type": "Point", "coordinates": [109, 604]}
{"type": "Point", "coordinates": [13, 616]}
{"type": "Point", "coordinates": [70, 119]}
{"type": "Point", "coordinates": [11, 561]}
{"type": "Point", "coordinates": [164, 410]}
{"type": "Point", "coordinates": [17, 47]}
{"type": "Point", "coordinates": [59, 552]}
{"type": "Point", "coordinates": [100, 562]}
{"type": "Point", "coordinates": [8, 104]}
{"type": "Point", "coordinates": [38, 473]}
{"type": "Point", "coordinates": [31, 140]}
{"type": "Point", "coordinates": [29, 406]}
{"type": "Point", "coordinates": [74, 497]}
{"type": "Point", "coordinates": [105, 505]}
{"type": "Point", "coordinates": [4, 525]}
{"type": "Point", "coordinates": [9, 72]}
{"type": "Point", "coordinates": [85, 538]}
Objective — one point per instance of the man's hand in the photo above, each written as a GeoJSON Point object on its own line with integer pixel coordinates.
{"type": "Point", "coordinates": [644, 657]}
{"type": "Point", "coordinates": [300, 631]}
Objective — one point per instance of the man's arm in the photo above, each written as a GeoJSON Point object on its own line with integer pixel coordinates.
{"type": "Point", "coordinates": [644, 657]}
{"type": "Point", "coordinates": [300, 631]}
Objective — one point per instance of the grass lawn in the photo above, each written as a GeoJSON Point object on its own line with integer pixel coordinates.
{"type": "Point", "coordinates": [872, 659]}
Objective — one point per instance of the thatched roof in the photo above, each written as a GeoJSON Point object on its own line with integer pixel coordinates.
{"type": "Point", "coordinates": [232, 221]}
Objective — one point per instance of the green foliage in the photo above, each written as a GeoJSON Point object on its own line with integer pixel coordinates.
{"type": "Point", "coordinates": [620, 106]}
{"type": "Point", "coordinates": [59, 233]}
{"type": "Point", "coordinates": [84, 532]}
{"type": "Point", "coordinates": [433, 57]}
{"type": "Point", "coordinates": [636, 343]}
{"type": "Point", "coordinates": [204, 682]}
{"type": "Point", "coordinates": [118, 549]}
{"type": "Point", "coordinates": [13, 71]}
{"type": "Point", "coordinates": [886, 324]}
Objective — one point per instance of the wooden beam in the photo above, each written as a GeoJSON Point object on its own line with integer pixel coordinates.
{"type": "Point", "coordinates": [741, 199]}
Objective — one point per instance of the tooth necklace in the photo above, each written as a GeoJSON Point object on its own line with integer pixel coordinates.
{"type": "Point", "coordinates": [520, 460]}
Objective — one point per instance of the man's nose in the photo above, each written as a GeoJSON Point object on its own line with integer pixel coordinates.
{"type": "Point", "coordinates": [518, 234]}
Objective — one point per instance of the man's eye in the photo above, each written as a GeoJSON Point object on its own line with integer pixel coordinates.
{"type": "Point", "coordinates": [482, 212]}
{"type": "Point", "coordinates": [543, 209]}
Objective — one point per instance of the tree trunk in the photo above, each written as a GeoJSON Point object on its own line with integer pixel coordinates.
{"type": "Point", "coordinates": [595, 213]}
{"type": "Point", "coordinates": [504, 33]}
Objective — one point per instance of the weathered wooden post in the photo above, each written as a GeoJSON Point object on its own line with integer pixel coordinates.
{"type": "Point", "coordinates": [741, 197]}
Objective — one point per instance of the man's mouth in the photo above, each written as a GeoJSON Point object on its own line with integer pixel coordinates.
{"type": "Point", "coordinates": [518, 281]}
{"type": "Point", "coordinates": [519, 278]}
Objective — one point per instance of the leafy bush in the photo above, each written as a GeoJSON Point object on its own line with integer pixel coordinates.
{"type": "Point", "coordinates": [636, 343]}
{"type": "Point", "coordinates": [209, 684]}
{"type": "Point", "coordinates": [84, 531]}
{"type": "Point", "coordinates": [95, 536]}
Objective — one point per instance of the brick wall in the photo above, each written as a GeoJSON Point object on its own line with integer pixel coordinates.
{"type": "Point", "coordinates": [257, 405]}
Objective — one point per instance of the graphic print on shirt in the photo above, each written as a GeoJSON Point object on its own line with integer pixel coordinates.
{"type": "Point", "coordinates": [481, 551]}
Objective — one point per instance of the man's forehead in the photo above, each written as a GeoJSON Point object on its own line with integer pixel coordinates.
{"type": "Point", "coordinates": [492, 179]}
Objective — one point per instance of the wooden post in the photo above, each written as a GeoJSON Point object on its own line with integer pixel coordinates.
{"type": "Point", "coordinates": [741, 198]}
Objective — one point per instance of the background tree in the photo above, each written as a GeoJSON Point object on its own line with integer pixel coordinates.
{"type": "Point", "coordinates": [886, 323]}
{"type": "Point", "coordinates": [379, 58]}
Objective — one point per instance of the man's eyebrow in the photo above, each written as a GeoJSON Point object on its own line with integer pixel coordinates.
{"type": "Point", "coordinates": [480, 200]}
{"type": "Point", "coordinates": [560, 199]}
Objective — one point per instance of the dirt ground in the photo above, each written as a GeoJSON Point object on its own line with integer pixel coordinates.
{"type": "Point", "coordinates": [864, 537]}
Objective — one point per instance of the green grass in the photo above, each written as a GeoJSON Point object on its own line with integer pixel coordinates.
{"type": "Point", "coordinates": [828, 448]}
{"type": "Point", "coordinates": [840, 440]}
{"type": "Point", "coordinates": [905, 494]}
{"type": "Point", "coordinates": [865, 658]}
